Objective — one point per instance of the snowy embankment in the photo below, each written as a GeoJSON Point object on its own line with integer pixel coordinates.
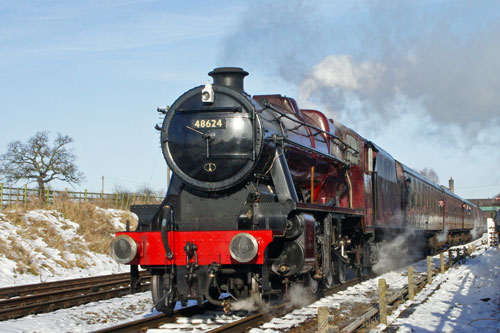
{"type": "Point", "coordinates": [42, 245]}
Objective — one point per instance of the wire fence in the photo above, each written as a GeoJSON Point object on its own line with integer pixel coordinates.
{"type": "Point", "coordinates": [23, 196]}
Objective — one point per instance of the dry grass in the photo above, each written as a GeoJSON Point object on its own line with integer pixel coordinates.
{"type": "Point", "coordinates": [15, 218]}
{"type": "Point", "coordinates": [24, 258]}
{"type": "Point", "coordinates": [95, 227]}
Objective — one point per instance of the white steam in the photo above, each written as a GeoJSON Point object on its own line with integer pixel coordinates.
{"type": "Point", "coordinates": [395, 253]}
{"type": "Point", "coordinates": [444, 58]}
{"type": "Point", "coordinates": [247, 304]}
{"type": "Point", "coordinates": [474, 232]}
{"type": "Point", "coordinates": [417, 74]}
{"type": "Point", "coordinates": [340, 72]}
{"type": "Point", "coordinates": [443, 235]}
{"type": "Point", "coordinates": [297, 296]}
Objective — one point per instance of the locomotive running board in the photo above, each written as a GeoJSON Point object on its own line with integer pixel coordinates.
{"type": "Point", "coordinates": [321, 208]}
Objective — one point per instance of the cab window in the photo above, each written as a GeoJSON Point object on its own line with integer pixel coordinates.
{"type": "Point", "coordinates": [352, 156]}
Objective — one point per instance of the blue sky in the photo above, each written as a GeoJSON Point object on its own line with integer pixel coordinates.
{"type": "Point", "coordinates": [97, 70]}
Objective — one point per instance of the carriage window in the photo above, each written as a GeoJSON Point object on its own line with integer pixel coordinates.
{"type": "Point", "coordinates": [352, 156]}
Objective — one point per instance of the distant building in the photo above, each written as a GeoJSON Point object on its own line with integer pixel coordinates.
{"type": "Point", "coordinates": [488, 206]}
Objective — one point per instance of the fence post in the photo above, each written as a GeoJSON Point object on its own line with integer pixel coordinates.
{"type": "Point", "coordinates": [116, 199]}
{"type": "Point", "coordinates": [25, 196]}
{"type": "Point", "coordinates": [382, 292]}
{"type": "Point", "coordinates": [411, 285]}
{"type": "Point", "coordinates": [133, 199]}
{"type": "Point", "coordinates": [450, 259]}
{"type": "Point", "coordinates": [441, 259]}
{"type": "Point", "coordinates": [10, 195]}
{"type": "Point", "coordinates": [1, 195]}
{"type": "Point", "coordinates": [325, 321]}
{"type": "Point", "coordinates": [47, 198]}
{"type": "Point", "coordinates": [429, 270]}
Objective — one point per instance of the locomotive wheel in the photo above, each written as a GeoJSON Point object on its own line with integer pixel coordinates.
{"type": "Point", "coordinates": [329, 281]}
{"type": "Point", "coordinates": [255, 291]}
{"type": "Point", "coordinates": [341, 271]}
{"type": "Point", "coordinates": [311, 283]}
{"type": "Point", "coordinates": [159, 291]}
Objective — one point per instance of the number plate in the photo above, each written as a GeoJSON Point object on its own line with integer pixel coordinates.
{"type": "Point", "coordinates": [209, 123]}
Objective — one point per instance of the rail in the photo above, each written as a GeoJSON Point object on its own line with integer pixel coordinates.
{"type": "Point", "coordinates": [19, 301]}
{"type": "Point", "coordinates": [240, 325]}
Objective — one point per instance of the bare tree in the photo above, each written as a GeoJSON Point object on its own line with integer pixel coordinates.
{"type": "Point", "coordinates": [430, 174]}
{"type": "Point", "coordinates": [146, 191]}
{"type": "Point", "coordinates": [38, 161]}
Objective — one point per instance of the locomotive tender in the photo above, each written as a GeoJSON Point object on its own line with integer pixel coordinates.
{"type": "Point", "coordinates": [264, 195]}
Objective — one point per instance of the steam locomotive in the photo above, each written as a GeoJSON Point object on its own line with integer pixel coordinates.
{"type": "Point", "coordinates": [265, 195]}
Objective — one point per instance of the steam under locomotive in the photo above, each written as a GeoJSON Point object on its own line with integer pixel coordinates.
{"type": "Point", "coordinates": [265, 195]}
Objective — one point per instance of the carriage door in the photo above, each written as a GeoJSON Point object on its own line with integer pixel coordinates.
{"type": "Point", "coordinates": [368, 184]}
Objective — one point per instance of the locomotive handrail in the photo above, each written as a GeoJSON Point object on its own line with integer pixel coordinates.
{"type": "Point", "coordinates": [219, 108]}
{"type": "Point", "coordinates": [331, 209]}
{"type": "Point", "coordinates": [298, 145]}
{"type": "Point", "coordinates": [317, 129]}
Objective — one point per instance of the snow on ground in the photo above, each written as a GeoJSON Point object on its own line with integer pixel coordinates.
{"type": "Point", "coordinates": [44, 246]}
{"type": "Point", "coordinates": [85, 318]}
{"type": "Point", "coordinates": [465, 298]}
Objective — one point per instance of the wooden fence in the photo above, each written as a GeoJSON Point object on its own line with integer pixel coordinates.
{"type": "Point", "coordinates": [24, 195]}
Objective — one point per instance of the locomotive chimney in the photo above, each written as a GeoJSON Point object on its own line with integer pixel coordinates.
{"type": "Point", "coordinates": [231, 77]}
{"type": "Point", "coordinates": [451, 183]}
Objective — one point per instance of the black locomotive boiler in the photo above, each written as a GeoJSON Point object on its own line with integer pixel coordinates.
{"type": "Point", "coordinates": [265, 195]}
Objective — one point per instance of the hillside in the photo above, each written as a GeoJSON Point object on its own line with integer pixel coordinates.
{"type": "Point", "coordinates": [69, 241]}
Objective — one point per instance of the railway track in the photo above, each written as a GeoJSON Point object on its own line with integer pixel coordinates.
{"type": "Point", "coordinates": [258, 319]}
{"type": "Point", "coordinates": [220, 321]}
{"type": "Point", "coordinates": [19, 301]}
{"type": "Point", "coordinates": [141, 325]}
{"type": "Point", "coordinates": [214, 321]}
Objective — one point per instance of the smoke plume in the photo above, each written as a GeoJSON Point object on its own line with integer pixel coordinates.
{"type": "Point", "coordinates": [443, 58]}
{"type": "Point", "coordinates": [398, 251]}
{"type": "Point", "coordinates": [443, 235]}
{"type": "Point", "coordinates": [297, 296]}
